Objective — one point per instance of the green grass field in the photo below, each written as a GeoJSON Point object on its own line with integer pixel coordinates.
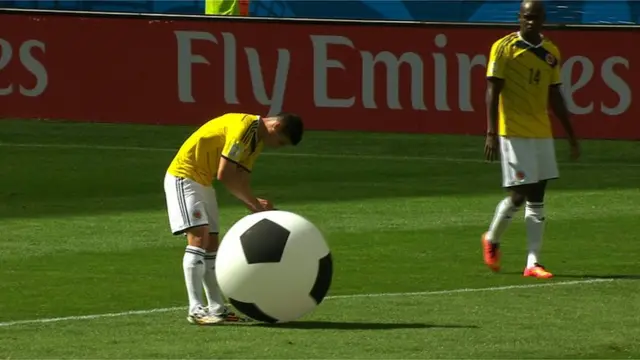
{"type": "Point", "coordinates": [84, 232]}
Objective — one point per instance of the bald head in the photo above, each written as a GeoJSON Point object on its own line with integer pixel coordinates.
{"type": "Point", "coordinates": [531, 18]}
{"type": "Point", "coordinates": [532, 5]}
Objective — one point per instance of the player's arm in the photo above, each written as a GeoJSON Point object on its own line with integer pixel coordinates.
{"type": "Point", "coordinates": [492, 98]}
{"type": "Point", "coordinates": [495, 82]}
{"type": "Point", "coordinates": [234, 171]}
{"type": "Point", "coordinates": [558, 104]}
{"type": "Point", "coordinates": [238, 181]}
{"type": "Point", "coordinates": [559, 108]}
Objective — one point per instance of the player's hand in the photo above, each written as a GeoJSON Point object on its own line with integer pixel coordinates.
{"type": "Point", "coordinates": [266, 204]}
{"type": "Point", "coordinates": [575, 149]}
{"type": "Point", "coordinates": [491, 147]}
{"type": "Point", "coordinates": [260, 205]}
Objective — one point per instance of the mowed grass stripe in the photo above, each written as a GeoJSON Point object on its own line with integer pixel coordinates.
{"type": "Point", "coordinates": [309, 155]}
{"type": "Point", "coordinates": [410, 213]}
{"type": "Point", "coordinates": [337, 297]}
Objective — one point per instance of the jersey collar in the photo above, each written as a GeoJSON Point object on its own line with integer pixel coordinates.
{"type": "Point", "coordinates": [530, 44]}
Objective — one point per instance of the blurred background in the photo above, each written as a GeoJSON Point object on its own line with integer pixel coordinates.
{"type": "Point", "coordinates": [563, 12]}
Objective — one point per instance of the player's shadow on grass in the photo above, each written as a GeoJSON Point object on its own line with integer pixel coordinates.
{"type": "Point", "coordinates": [341, 325]}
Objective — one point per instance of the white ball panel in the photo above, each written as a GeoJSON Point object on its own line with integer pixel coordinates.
{"type": "Point", "coordinates": [280, 290]}
{"type": "Point", "coordinates": [232, 269]}
{"type": "Point", "coordinates": [306, 242]}
{"type": "Point", "coordinates": [290, 310]}
{"type": "Point", "coordinates": [304, 233]}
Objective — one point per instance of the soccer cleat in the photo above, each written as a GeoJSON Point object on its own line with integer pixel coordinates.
{"type": "Point", "coordinates": [200, 316]}
{"type": "Point", "coordinates": [537, 271]}
{"type": "Point", "coordinates": [229, 316]}
{"type": "Point", "coordinates": [491, 254]}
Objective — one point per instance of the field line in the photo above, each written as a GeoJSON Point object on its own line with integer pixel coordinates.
{"type": "Point", "coordinates": [337, 297]}
{"type": "Point", "coordinates": [307, 155]}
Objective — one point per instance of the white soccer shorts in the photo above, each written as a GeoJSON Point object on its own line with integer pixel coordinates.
{"type": "Point", "coordinates": [190, 204]}
{"type": "Point", "coordinates": [527, 160]}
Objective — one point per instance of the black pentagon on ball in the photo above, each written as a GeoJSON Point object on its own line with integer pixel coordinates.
{"type": "Point", "coordinates": [323, 279]}
{"type": "Point", "coordinates": [252, 311]}
{"type": "Point", "coordinates": [264, 242]}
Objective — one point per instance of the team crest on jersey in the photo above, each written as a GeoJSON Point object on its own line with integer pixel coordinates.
{"type": "Point", "coordinates": [550, 59]}
{"type": "Point", "coordinates": [197, 214]}
{"type": "Point", "coordinates": [520, 175]}
{"type": "Point", "coordinates": [235, 150]}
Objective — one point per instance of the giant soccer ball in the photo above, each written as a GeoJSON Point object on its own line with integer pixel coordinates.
{"type": "Point", "coordinates": [274, 266]}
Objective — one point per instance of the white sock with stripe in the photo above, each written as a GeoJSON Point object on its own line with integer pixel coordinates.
{"type": "Point", "coordinates": [534, 220]}
{"type": "Point", "coordinates": [211, 288]}
{"type": "Point", "coordinates": [194, 270]}
{"type": "Point", "coordinates": [501, 220]}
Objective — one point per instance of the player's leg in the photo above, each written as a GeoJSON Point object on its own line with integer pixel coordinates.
{"type": "Point", "coordinates": [502, 217]}
{"type": "Point", "coordinates": [534, 220]}
{"type": "Point", "coordinates": [186, 216]}
{"type": "Point", "coordinates": [215, 299]}
{"type": "Point", "coordinates": [216, 304]}
{"type": "Point", "coordinates": [214, 296]}
{"type": "Point", "coordinates": [194, 265]}
{"type": "Point", "coordinates": [534, 212]}
{"type": "Point", "coordinates": [518, 173]}
{"type": "Point", "coordinates": [504, 212]}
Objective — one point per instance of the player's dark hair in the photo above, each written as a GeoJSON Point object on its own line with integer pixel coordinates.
{"type": "Point", "coordinates": [291, 126]}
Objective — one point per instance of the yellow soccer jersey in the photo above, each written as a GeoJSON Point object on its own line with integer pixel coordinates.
{"type": "Point", "coordinates": [232, 136]}
{"type": "Point", "coordinates": [527, 71]}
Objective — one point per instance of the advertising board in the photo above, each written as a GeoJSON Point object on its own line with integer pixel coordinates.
{"type": "Point", "coordinates": [339, 76]}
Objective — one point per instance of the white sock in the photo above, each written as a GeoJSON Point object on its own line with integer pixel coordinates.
{"type": "Point", "coordinates": [211, 288]}
{"type": "Point", "coordinates": [534, 220]}
{"type": "Point", "coordinates": [194, 267]}
{"type": "Point", "coordinates": [501, 219]}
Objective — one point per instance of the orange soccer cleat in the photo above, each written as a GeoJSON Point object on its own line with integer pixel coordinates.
{"type": "Point", "coordinates": [537, 271]}
{"type": "Point", "coordinates": [491, 254]}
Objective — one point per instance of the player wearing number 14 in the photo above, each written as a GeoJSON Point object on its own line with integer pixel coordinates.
{"type": "Point", "coordinates": [523, 80]}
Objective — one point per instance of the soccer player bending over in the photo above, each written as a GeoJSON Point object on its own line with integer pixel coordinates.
{"type": "Point", "coordinates": [523, 77]}
{"type": "Point", "coordinates": [225, 149]}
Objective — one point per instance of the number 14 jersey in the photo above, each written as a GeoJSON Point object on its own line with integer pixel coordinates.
{"type": "Point", "coordinates": [528, 71]}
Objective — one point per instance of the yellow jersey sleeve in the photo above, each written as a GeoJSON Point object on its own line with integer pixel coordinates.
{"type": "Point", "coordinates": [500, 52]}
{"type": "Point", "coordinates": [241, 143]}
{"type": "Point", "coordinates": [250, 159]}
